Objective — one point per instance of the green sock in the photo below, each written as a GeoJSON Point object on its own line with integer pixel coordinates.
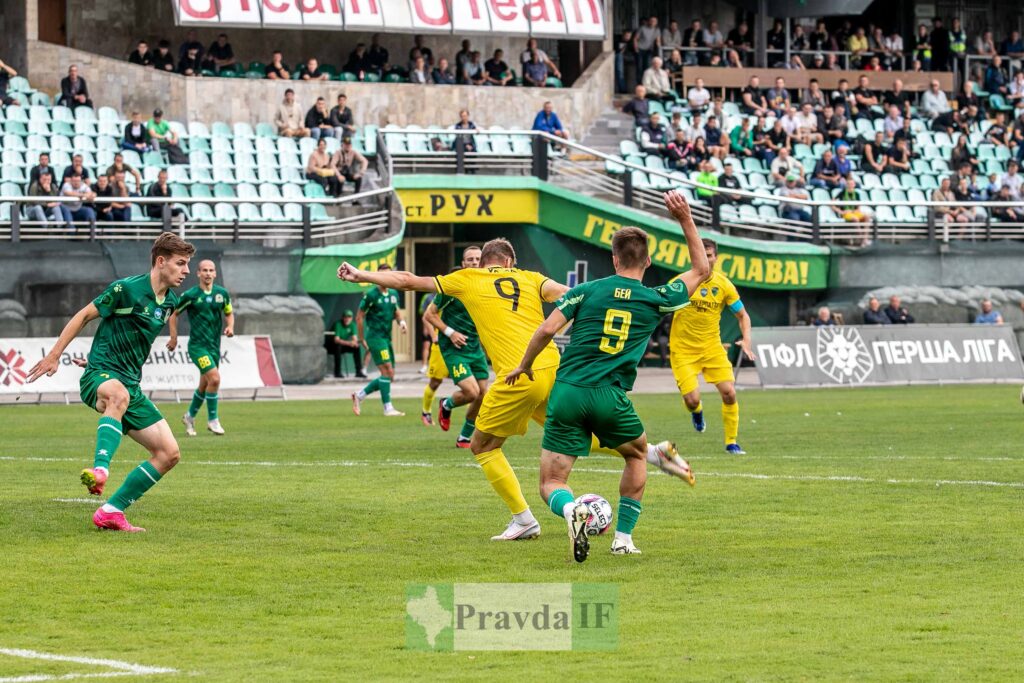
{"type": "Point", "coordinates": [629, 513]}
{"type": "Point", "coordinates": [108, 438]}
{"type": "Point", "coordinates": [448, 405]}
{"type": "Point", "coordinates": [385, 390]}
{"type": "Point", "coordinates": [558, 499]}
{"type": "Point", "coordinates": [372, 386]}
{"type": "Point", "coordinates": [197, 403]}
{"type": "Point", "coordinates": [139, 480]}
{"type": "Point", "coordinates": [467, 429]}
{"type": "Point", "coordinates": [211, 406]}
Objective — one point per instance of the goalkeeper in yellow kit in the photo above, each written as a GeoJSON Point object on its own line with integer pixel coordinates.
{"type": "Point", "coordinates": [695, 345]}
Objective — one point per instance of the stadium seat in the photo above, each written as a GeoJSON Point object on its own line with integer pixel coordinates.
{"type": "Point", "coordinates": [292, 175]}
{"type": "Point", "coordinates": [201, 191]}
{"type": "Point", "coordinates": [267, 174]}
{"type": "Point", "coordinates": [317, 212]}
{"type": "Point", "coordinates": [292, 191]}
{"type": "Point", "coordinates": [928, 182]}
{"type": "Point", "coordinates": [904, 214]}
{"type": "Point", "coordinates": [871, 181]}
{"type": "Point", "coordinates": [247, 191]}
{"type": "Point", "coordinates": [265, 130]}
{"type": "Point", "coordinates": [219, 129]}
{"type": "Point", "coordinates": [15, 142]}
{"type": "Point", "coordinates": [878, 195]}
{"type": "Point", "coordinates": [243, 130]}
{"type": "Point", "coordinates": [149, 175]}
{"type": "Point", "coordinates": [154, 159]}
{"type": "Point", "coordinates": [201, 212]}
{"type": "Point", "coordinates": [199, 160]}
{"type": "Point", "coordinates": [269, 191]}
{"type": "Point", "coordinates": [221, 145]}
{"type": "Point", "coordinates": [249, 213]}
{"type": "Point", "coordinates": [246, 174]}
{"type": "Point", "coordinates": [58, 113]}
{"type": "Point", "coordinates": [628, 147]}
{"type": "Point", "coordinates": [224, 191]}
{"type": "Point", "coordinates": [198, 130]}
{"type": "Point", "coordinates": [909, 181]}
{"type": "Point", "coordinates": [293, 212]}
{"type": "Point", "coordinates": [997, 103]}
{"type": "Point", "coordinates": [884, 214]}
{"type": "Point", "coordinates": [272, 213]}
{"type": "Point", "coordinates": [890, 181]}
{"type": "Point", "coordinates": [314, 191]}
{"type": "Point", "coordinates": [226, 212]}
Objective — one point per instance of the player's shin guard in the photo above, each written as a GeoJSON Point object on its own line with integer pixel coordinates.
{"type": "Point", "coordinates": [385, 390]}
{"type": "Point", "coordinates": [558, 499]}
{"type": "Point", "coordinates": [629, 513]}
{"type": "Point", "coordinates": [139, 480]}
{"type": "Point", "coordinates": [467, 429]}
{"type": "Point", "coordinates": [108, 438]}
{"type": "Point", "coordinates": [197, 402]}
{"type": "Point", "coordinates": [428, 398]}
{"type": "Point", "coordinates": [503, 479]}
{"type": "Point", "coordinates": [211, 406]}
{"type": "Point", "coordinates": [731, 421]}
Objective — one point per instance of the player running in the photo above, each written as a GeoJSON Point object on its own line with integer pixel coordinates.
{"type": "Point", "coordinates": [613, 318]}
{"type": "Point", "coordinates": [435, 370]}
{"type": "Point", "coordinates": [377, 311]}
{"type": "Point", "coordinates": [461, 357]}
{"type": "Point", "coordinates": [209, 314]}
{"type": "Point", "coordinates": [133, 312]}
{"type": "Point", "coordinates": [695, 345]}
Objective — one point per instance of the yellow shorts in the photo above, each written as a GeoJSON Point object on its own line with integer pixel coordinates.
{"type": "Point", "coordinates": [506, 411]}
{"type": "Point", "coordinates": [436, 368]}
{"type": "Point", "coordinates": [688, 362]}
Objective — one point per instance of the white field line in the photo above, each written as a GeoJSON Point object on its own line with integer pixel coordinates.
{"type": "Point", "coordinates": [121, 668]}
{"type": "Point", "coordinates": [91, 501]}
{"type": "Point", "coordinates": [725, 475]}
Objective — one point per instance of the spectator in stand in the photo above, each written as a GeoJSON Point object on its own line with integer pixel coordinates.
{"type": "Point", "coordinates": [741, 43]}
{"type": "Point", "coordinates": [874, 315]}
{"type": "Point", "coordinates": [741, 139]}
{"type": "Point", "coordinates": [752, 100]}
{"type": "Point", "coordinates": [42, 167]}
{"type": "Point", "coordinates": [985, 45]}
{"type": "Point", "coordinates": [874, 63]}
{"type": "Point", "coordinates": [657, 82]}
{"type": "Point", "coordinates": [763, 149]}
{"type": "Point", "coordinates": [74, 186]}
{"type": "Point", "coordinates": [341, 119]}
{"type": "Point", "coordinates": [74, 92]}
{"type": "Point", "coordinates": [124, 169]}
{"type": "Point", "coordinates": [1015, 91]}
{"type": "Point", "coordinates": [819, 39]}
{"type": "Point", "coordinates": [844, 96]}
{"type": "Point", "coordinates": [1013, 180]}
{"type": "Point", "coordinates": [318, 120]}
{"type": "Point", "coordinates": [320, 171]}
{"type": "Point", "coordinates": [675, 62]}
{"type": "Point", "coordinates": [967, 96]}
{"type": "Point", "coordinates": [893, 122]}
{"type": "Point", "coordinates": [58, 212]}
{"type": "Point", "coordinates": [813, 95]}
{"type": "Point", "coordinates": [713, 37]}
{"type": "Point", "coordinates": [957, 45]}
{"type": "Point", "coordinates": [843, 162]}
{"type": "Point", "coordinates": [103, 190]}
{"type": "Point", "coordinates": [162, 59]}
{"type": "Point", "coordinates": [121, 211]}
{"type": "Point", "coordinates": [730, 182]}
{"type": "Point", "coordinates": [698, 96]}
{"type": "Point", "coordinates": [807, 127]}
{"type": "Point", "coordinates": [818, 62]}
{"type": "Point", "coordinates": [161, 189]}
{"type": "Point", "coordinates": [939, 41]}
{"type": "Point", "coordinates": [692, 42]}
{"type": "Point", "coordinates": [798, 39]}
{"type": "Point", "coordinates": [462, 57]}
{"type": "Point", "coordinates": [189, 64]}
{"type": "Point", "coordinates": [718, 144]}
{"type": "Point", "coordinates": [826, 173]}
{"type": "Point", "coordinates": [835, 129]}
{"type": "Point", "coordinates": [648, 41]}
{"type": "Point", "coordinates": [220, 55]}
{"type": "Point", "coordinates": [496, 71]}
{"type": "Point", "coordinates": [547, 121]}
{"type": "Point", "coordinates": [7, 72]}
{"type": "Point", "coordinates": [76, 167]}
{"type": "Point", "coordinates": [776, 140]}
{"type": "Point", "coordinates": [778, 97]}
{"type": "Point", "coordinates": [996, 80]}
{"type": "Point", "coordinates": [639, 107]}
{"type": "Point", "coordinates": [899, 158]}
{"type": "Point", "coordinates": [785, 166]}
{"type": "Point", "coordinates": [346, 342]}
{"type": "Point", "coordinates": [526, 56]}
{"type": "Point", "coordinates": [923, 47]}
{"type": "Point", "coordinates": [671, 36]}
{"type": "Point", "coordinates": [948, 214]}
{"type": "Point", "coordinates": [443, 74]}
{"type": "Point", "coordinates": [988, 315]}
{"type": "Point", "coordinates": [191, 43]}
{"type": "Point", "coordinates": [962, 192]}
{"type": "Point", "coordinates": [311, 71]}
{"type": "Point", "coordinates": [897, 97]}
{"type": "Point", "coordinates": [697, 153]}
{"type": "Point", "coordinates": [654, 137]}
{"type": "Point", "coordinates": [425, 52]}
{"type": "Point", "coordinates": [894, 46]}
{"type": "Point", "coordinates": [162, 137]}
{"type": "Point", "coordinates": [420, 73]}
{"type": "Point", "coordinates": [350, 166]}
{"type": "Point", "coordinates": [857, 44]}
{"type": "Point", "coordinates": [896, 313]}
{"type": "Point", "coordinates": [677, 150]}
{"type": "Point", "coordinates": [469, 141]}
{"type": "Point", "coordinates": [875, 157]}
{"type": "Point", "coordinates": [359, 62]}
{"type": "Point", "coordinates": [626, 56]}
{"type": "Point", "coordinates": [277, 70]}
{"type": "Point", "coordinates": [1013, 48]}
{"type": "Point", "coordinates": [864, 99]}
{"type": "Point", "coordinates": [876, 45]}
{"type": "Point", "coordinates": [793, 212]}
{"type": "Point", "coordinates": [696, 129]}
{"type": "Point", "coordinates": [473, 70]}
{"type": "Point", "coordinates": [997, 133]}
{"type": "Point", "coordinates": [824, 318]}
{"type": "Point", "coordinates": [136, 136]}
{"type": "Point", "coordinates": [934, 101]}
{"type": "Point", "coordinates": [535, 71]}
{"type": "Point", "coordinates": [141, 55]}
{"type": "Point", "coordinates": [1017, 134]}
{"type": "Point", "coordinates": [378, 58]}
{"type": "Point", "coordinates": [1006, 213]}
{"type": "Point", "coordinates": [852, 210]}
{"type": "Point", "coordinates": [706, 176]}
{"type": "Point", "coordinates": [289, 119]}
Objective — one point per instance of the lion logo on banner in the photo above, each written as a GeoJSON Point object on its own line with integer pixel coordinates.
{"type": "Point", "coordinates": [843, 355]}
{"type": "Point", "coordinates": [11, 367]}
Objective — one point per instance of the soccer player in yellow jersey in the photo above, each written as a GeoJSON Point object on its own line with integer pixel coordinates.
{"type": "Point", "coordinates": [695, 345]}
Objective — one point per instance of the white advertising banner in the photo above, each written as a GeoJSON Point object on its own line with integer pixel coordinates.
{"type": "Point", "coordinates": [246, 363]}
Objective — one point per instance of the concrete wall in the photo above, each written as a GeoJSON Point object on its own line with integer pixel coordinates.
{"type": "Point", "coordinates": [14, 22]}
{"type": "Point", "coordinates": [123, 86]}
{"type": "Point", "coordinates": [996, 265]}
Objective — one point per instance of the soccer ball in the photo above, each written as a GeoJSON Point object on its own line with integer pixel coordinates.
{"type": "Point", "coordinates": [600, 518]}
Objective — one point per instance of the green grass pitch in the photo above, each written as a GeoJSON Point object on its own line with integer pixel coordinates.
{"type": "Point", "coordinates": [870, 534]}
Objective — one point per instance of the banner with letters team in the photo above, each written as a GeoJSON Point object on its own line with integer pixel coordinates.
{"type": "Point", "coordinates": [886, 354]}
{"type": "Point", "coordinates": [577, 19]}
{"type": "Point", "coordinates": [246, 362]}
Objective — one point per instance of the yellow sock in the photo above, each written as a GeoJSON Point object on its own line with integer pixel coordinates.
{"type": "Point", "coordinates": [503, 479]}
{"type": "Point", "coordinates": [428, 398]}
{"type": "Point", "coordinates": [698, 409]}
{"type": "Point", "coordinates": [596, 447]}
{"type": "Point", "coordinates": [731, 421]}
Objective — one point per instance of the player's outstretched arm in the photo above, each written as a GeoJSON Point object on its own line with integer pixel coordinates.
{"type": "Point", "coordinates": [48, 365]}
{"type": "Point", "coordinates": [552, 291]}
{"type": "Point", "coordinates": [432, 317]}
{"type": "Point", "coordinates": [699, 268]}
{"type": "Point", "coordinates": [541, 338]}
{"type": "Point", "coordinates": [395, 279]}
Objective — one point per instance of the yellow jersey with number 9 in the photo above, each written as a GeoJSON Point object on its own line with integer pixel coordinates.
{"type": "Point", "coordinates": [507, 307]}
{"type": "Point", "coordinates": [698, 323]}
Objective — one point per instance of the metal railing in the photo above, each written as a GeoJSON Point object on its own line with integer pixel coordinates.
{"type": "Point", "coordinates": [843, 57]}
{"type": "Point", "coordinates": [586, 170]}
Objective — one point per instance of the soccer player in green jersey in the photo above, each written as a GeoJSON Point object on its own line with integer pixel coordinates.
{"type": "Point", "coordinates": [209, 314]}
{"type": "Point", "coordinates": [612, 320]}
{"type": "Point", "coordinates": [133, 311]}
{"type": "Point", "coordinates": [378, 310]}
{"type": "Point", "coordinates": [463, 356]}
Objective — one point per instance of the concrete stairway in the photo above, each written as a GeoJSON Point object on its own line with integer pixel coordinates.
{"type": "Point", "coordinates": [610, 128]}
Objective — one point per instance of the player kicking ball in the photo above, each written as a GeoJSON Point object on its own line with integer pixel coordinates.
{"type": "Point", "coordinates": [377, 311]}
{"type": "Point", "coordinates": [209, 312]}
{"type": "Point", "coordinates": [612, 319]}
{"type": "Point", "coordinates": [132, 313]}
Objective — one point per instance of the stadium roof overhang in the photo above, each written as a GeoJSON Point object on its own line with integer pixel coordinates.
{"type": "Point", "coordinates": [796, 9]}
{"type": "Point", "coordinates": [576, 19]}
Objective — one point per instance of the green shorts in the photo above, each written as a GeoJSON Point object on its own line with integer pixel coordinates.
{"type": "Point", "coordinates": [575, 413]}
{"type": "Point", "coordinates": [204, 359]}
{"type": "Point", "coordinates": [381, 350]}
{"type": "Point", "coordinates": [464, 365]}
{"type": "Point", "coordinates": [141, 412]}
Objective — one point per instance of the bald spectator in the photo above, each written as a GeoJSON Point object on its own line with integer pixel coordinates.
{"type": "Point", "coordinates": [896, 313]}
{"type": "Point", "coordinates": [824, 318]}
{"type": "Point", "coordinates": [656, 81]}
{"type": "Point", "coordinates": [988, 315]}
{"type": "Point", "coordinates": [74, 92]}
{"type": "Point", "coordinates": [875, 315]}
{"type": "Point", "coordinates": [311, 71]}
{"type": "Point", "coordinates": [289, 119]}
{"type": "Point", "coordinates": [220, 55]}
{"type": "Point", "coordinates": [277, 70]}
{"type": "Point", "coordinates": [639, 107]}
{"type": "Point", "coordinates": [547, 121]}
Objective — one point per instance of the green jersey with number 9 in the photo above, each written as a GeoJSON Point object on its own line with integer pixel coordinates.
{"type": "Point", "coordinates": [612, 320]}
